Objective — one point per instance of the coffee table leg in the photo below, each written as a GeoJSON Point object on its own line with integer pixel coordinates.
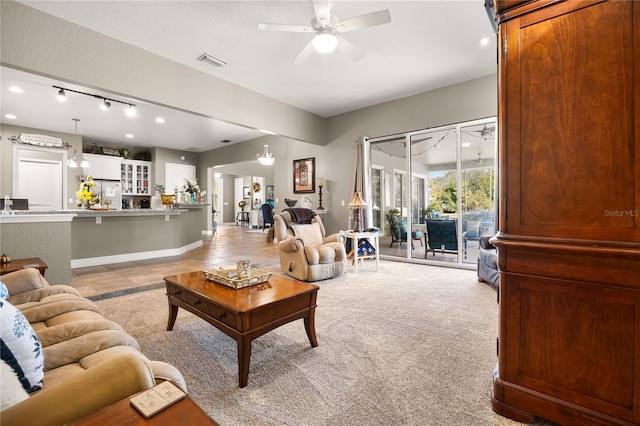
{"type": "Point", "coordinates": [310, 326]}
{"type": "Point", "coordinates": [244, 358]}
{"type": "Point", "coordinates": [173, 314]}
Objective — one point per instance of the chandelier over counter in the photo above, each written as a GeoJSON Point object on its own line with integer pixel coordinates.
{"type": "Point", "coordinates": [266, 159]}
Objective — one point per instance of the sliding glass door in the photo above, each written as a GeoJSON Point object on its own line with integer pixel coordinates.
{"type": "Point", "coordinates": [434, 191]}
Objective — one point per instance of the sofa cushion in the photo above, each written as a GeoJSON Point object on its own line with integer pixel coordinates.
{"type": "Point", "coordinates": [20, 347]}
{"type": "Point", "coordinates": [310, 234]}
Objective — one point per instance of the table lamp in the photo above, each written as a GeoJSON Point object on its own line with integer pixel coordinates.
{"type": "Point", "coordinates": [357, 204]}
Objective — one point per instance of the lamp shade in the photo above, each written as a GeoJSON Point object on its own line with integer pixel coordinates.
{"type": "Point", "coordinates": [357, 202]}
{"type": "Point", "coordinates": [320, 181]}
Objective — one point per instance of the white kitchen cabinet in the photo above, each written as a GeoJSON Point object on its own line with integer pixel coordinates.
{"type": "Point", "coordinates": [135, 177]}
{"type": "Point", "coordinates": [103, 166]}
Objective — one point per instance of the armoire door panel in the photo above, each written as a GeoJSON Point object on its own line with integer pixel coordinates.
{"type": "Point", "coordinates": [577, 342]}
{"type": "Point", "coordinates": [571, 156]}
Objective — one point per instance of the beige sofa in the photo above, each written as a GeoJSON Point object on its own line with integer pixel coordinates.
{"type": "Point", "coordinates": [305, 252]}
{"type": "Point", "coordinates": [89, 361]}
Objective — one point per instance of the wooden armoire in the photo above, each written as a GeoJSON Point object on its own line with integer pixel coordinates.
{"type": "Point", "coordinates": [569, 220]}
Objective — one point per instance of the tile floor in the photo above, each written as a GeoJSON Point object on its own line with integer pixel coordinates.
{"type": "Point", "coordinates": [228, 245]}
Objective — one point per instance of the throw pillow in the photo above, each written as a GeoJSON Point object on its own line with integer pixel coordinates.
{"type": "Point", "coordinates": [11, 391]}
{"type": "Point", "coordinates": [20, 347]}
{"type": "Point", "coordinates": [309, 234]}
{"type": "Point", "coordinates": [4, 292]}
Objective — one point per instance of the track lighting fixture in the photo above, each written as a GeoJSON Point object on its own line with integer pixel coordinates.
{"type": "Point", "coordinates": [105, 102]}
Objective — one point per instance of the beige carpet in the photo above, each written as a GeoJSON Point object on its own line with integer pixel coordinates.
{"type": "Point", "coordinates": [409, 345]}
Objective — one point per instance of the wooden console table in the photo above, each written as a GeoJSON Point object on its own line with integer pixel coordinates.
{"type": "Point", "coordinates": [17, 264]}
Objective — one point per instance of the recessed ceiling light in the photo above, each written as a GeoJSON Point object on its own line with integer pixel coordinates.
{"type": "Point", "coordinates": [160, 120]}
{"type": "Point", "coordinates": [484, 41]}
{"type": "Point", "coordinates": [10, 116]}
{"type": "Point", "coordinates": [129, 135]}
{"type": "Point", "coordinates": [15, 89]}
{"type": "Point", "coordinates": [465, 144]}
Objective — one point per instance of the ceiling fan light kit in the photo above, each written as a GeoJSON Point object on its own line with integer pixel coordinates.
{"type": "Point", "coordinates": [325, 42]}
{"type": "Point", "coordinates": [328, 28]}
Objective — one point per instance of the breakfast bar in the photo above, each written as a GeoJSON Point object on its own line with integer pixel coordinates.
{"type": "Point", "coordinates": [68, 239]}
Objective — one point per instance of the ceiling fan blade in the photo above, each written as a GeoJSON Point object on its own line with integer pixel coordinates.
{"type": "Point", "coordinates": [323, 10]}
{"type": "Point", "coordinates": [304, 53]}
{"type": "Point", "coordinates": [364, 21]}
{"type": "Point", "coordinates": [346, 47]}
{"type": "Point", "coordinates": [286, 28]}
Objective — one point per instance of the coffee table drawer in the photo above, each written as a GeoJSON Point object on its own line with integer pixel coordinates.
{"type": "Point", "coordinates": [223, 316]}
{"type": "Point", "coordinates": [178, 293]}
{"type": "Point", "coordinates": [199, 303]}
{"type": "Point", "coordinates": [275, 311]}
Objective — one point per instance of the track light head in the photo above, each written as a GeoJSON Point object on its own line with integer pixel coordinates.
{"type": "Point", "coordinates": [130, 111]}
{"type": "Point", "coordinates": [61, 95]}
{"type": "Point", "coordinates": [105, 105]}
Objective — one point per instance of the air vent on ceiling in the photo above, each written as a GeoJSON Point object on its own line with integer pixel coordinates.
{"type": "Point", "coordinates": [205, 57]}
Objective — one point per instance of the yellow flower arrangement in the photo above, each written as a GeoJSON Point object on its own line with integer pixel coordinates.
{"type": "Point", "coordinates": [86, 194]}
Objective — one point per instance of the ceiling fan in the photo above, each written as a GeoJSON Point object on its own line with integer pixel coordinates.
{"type": "Point", "coordinates": [327, 29]}
{"type": "Point", "coordinates": [485, 132]}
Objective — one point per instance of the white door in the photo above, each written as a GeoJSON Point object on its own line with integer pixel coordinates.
{"type": "Point", "coordinates": [40, 181]}
{"type": "Point", "coordinates": [175, 174]}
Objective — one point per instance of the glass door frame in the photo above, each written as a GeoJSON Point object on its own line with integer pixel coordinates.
{"type": "Point", "coordinates": [408, 167]}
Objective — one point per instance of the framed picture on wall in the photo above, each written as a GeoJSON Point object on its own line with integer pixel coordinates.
{"type": "Point", "coordinates": [304, 176]}
{"type": "Point", "coordinates": [270, 191]}
{"type": "Point", "coordinates": [246, 193]}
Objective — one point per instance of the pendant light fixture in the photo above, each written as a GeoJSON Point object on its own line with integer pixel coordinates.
{"type": "Point", "coordinates": [73, 161]}
{"type": "Point", "coordinates": [266, 159]}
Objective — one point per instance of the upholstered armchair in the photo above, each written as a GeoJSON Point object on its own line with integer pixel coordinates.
{"type": "Point", "coordinates": [305, 252]}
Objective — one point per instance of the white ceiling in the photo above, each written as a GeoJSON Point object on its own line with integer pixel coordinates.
{"type": "Point", "coordinates": [428, 44]}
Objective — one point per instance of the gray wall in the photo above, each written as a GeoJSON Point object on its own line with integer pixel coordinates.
{"type": "Point", "coordinates": [49, 241]}
{"type": "Point", "coordinates": [335, 161]}
{"type": "Point", "coordinates": [135, 234]}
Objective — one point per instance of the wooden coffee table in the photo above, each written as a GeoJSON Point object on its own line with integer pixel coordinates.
{"type": "Point", "coordinates": [244, 314]}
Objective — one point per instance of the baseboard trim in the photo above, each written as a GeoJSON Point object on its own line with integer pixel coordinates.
{"type": "Point", "coordinates": [128, 257]}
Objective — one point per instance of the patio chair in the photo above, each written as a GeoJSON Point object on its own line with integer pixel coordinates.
{"type": "Point", "coordinates": [399, 232]}
{"type": "Point", "coordinates": [442, 236]}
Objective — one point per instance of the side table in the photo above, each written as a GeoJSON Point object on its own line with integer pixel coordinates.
{"type": "Point", "coordinates": [17, 264]}
{"type": "Point", "coordinates": [122, 413]}
{"type": "Point", "coordinates": [373, 237]}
